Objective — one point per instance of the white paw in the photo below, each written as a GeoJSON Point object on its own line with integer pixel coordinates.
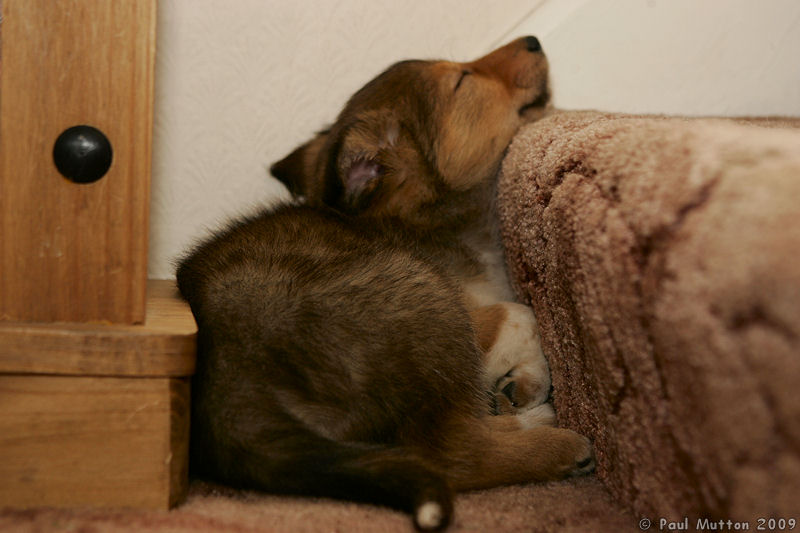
{"type": "Point", "coordinates": [524, 386]}
{"type": "Point", "coordinates": [517, 371]}
{"type": "Point", "coordinates": [541, 415]}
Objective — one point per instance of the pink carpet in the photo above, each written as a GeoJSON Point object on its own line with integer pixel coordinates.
{"type": "Point", "coordinates": [571, 506]}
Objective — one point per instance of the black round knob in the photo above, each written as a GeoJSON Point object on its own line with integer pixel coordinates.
{"type": "Point", "coordinates": [82, 154]}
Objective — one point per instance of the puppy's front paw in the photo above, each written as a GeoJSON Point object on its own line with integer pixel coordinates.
{"type": "Point", "coordinates": [517, 374]}
{"type": "Point", "coordinates": [521, 388]}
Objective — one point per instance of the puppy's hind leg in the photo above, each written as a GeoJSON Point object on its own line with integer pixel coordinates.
{"type": "Point", "coordinates": [498, 450]}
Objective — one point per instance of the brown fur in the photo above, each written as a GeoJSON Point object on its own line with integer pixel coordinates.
{"type": "Point", "coordinates": [336, 354]}
{"type": "Point", "coordinates": [411, 145]}
{"type": "Point", "coordinates": [488, 320]}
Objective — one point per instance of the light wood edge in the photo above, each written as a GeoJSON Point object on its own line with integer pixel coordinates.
{"type": "Point", "coordinates": [165, 345]}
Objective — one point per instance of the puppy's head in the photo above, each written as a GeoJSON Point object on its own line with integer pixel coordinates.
{"type": "Point", "coordinates": [419, 130]}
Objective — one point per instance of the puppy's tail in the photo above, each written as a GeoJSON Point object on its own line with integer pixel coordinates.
{"type": "Point", "coordinates": [398, 479]}
{"type": "Point", "coordinates": [393, 477]}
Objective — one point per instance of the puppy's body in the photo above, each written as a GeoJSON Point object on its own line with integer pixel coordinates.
{"type": "Point", "coordinates": [338, 360]}
{"type": "Point", "coordinates": [342, 346]}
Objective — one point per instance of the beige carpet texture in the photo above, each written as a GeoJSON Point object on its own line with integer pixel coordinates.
{"type": "Point", "coordinates": [662, 258]}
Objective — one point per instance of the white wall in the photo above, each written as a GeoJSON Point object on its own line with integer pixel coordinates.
{"type": "Point", "coordinates": [239, 84]}
{"type": "Point", "coordinates": [689, 57]}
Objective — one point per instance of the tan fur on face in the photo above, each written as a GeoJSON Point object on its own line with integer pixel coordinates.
{"type": "Point", "coordinates": [484, 113]}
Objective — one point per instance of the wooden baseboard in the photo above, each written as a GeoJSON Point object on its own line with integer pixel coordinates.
{"type": "Point", "coordinates": [96, 414]}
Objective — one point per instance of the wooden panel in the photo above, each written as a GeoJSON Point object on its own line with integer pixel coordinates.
{"type": "Point", "coordinates": [164, 346]}
{"type": "Point", "coordinates": [178, 460]}
{"type": "Point", "coordinates": [67, 441]}
{"type": "Point", "coordinates": [67, 251]}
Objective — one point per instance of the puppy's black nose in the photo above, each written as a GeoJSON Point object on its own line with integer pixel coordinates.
{"type": "Point", "coordinates": [533, 44]}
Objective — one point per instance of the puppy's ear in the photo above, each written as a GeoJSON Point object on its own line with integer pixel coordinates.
{"type": "Point", "coordinates": [364, 159]}
{"type": "Point", "coordinates": [361, 178]}
{"type": "Point", "coordinates": [298, 170]}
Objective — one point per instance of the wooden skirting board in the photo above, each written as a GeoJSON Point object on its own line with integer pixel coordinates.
{"type": "Point", "coordinates": [97, 414]}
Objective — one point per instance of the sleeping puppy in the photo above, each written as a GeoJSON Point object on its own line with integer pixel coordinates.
{"type": "Point", "coordinates": [422, 144]}
{"type": "Point", "coordinates": [343, 344]}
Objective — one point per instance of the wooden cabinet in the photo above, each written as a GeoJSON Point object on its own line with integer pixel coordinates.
{"type": "Point", "coordinates": [94, 361]}
{"type": "Point", "coordinates": [75, 252]}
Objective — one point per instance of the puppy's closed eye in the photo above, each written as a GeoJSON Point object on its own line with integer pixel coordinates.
{"type": "Point", "coordinates": [464, 74]}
